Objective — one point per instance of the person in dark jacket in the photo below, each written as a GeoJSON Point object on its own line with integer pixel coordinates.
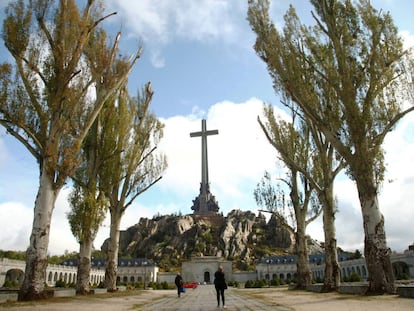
{"type": "Point", "coordinates": [220, 285]}
{"type": "Point", "coordinates": [179, 283]}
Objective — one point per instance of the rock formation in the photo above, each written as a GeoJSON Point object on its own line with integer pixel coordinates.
{"type": "Point", "coordinates": [241, 237]}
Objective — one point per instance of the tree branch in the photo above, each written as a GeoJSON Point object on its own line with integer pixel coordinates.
{"type": "Point", "coordinates": [23, 140]}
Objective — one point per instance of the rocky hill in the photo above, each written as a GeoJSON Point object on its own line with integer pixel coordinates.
{"type": "Point", "coordinates": [241, 237]}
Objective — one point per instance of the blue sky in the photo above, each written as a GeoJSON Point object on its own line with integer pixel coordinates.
{"type": "Point", "coordinates": [199, 58]}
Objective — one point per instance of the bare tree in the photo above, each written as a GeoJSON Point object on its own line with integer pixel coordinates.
{"type": "Point", "coordinates": [48, 106]}
{"type": "Point", "coordinates": [352, 54]}
{"type": "Point", "coordinates": [270, 196]}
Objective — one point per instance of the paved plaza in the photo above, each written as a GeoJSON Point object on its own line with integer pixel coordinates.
{"type": "Point", "coordinates": [203, 298]}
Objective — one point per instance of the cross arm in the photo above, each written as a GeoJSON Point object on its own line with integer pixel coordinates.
{"type": "Point", "coordinates": [206, 133]}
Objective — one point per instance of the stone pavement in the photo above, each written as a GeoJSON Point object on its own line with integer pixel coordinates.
{"type": "Point", "coordinates": [203, 298]}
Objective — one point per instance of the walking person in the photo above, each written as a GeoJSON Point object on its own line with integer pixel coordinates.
{"type": "Point", "coordinates": [220, 285]}
{"type": "Point", "coordinates": [179, 282]}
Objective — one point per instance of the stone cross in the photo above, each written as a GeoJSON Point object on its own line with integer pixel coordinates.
{"type": "Point", "coordinates": [204, 200]}
{"type": "Point", "coordinates": [204, 160]}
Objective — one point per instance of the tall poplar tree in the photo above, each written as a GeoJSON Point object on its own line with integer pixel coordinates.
{"type": "Point", "coordinates": [294, 148]}
{"type": "Point", "coordinates": [88, 210]}
{"type": "Point", "coordinates": [88, 205]}
{"type": "Point", "coordinates": [48, 105]}
{"type": "Point", "coordinates": [132, 134]}
{"type": "Point", "coordinates": [326, 166]}
{"type": "Point", "coordinates": [352, 54]}
{"type": "Point", "coordinates": [319, 166]}
{"type": "Point", "coordinates": [88, 202]}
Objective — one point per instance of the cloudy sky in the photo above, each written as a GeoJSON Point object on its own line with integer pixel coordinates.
{"type": "Point", "coordinates": [199, 58]}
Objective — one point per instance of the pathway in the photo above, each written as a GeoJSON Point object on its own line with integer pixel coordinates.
{"type": "Point", "coordinates": [203, 298]}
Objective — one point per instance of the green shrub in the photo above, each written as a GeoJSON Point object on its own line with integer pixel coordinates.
{"type": "Point", "coordinates": [139, 285]}
{"type": "Point", "coordinates": [354, 277]}
{"type": "Point", "coordinates": [10, 284]}
{"type": "Point", "coordinates": [60, 283]}
{"type": "Point", "coordinates": [153, 285]}
{"type": "Point", "coordinates": [256, 284]}
{"type": "Point", "coordinates": [165, 285]}
{"type": "Point", "coordinates": [402, 276]}
{"type": "Point", "coordinates": [262, 283]}
{"type": "Point", "coordinates": [233, 284]}
{"type": "Point", "coordinates": [317, 280]}
{"type": "Point", "coordinates": [276, 282]}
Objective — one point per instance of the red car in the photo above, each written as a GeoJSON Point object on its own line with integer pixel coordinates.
{"type": "Point", "coordinates": [191, 285]}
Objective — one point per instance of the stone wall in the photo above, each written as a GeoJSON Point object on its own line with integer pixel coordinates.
{"type": "Point", "coordinates": [168, 277]}
{"type": "Point", "coordinates": [202, 269]}
{"type": "Point", "coordinates": [244, 276]}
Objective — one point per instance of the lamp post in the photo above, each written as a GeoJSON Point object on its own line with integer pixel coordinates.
{"type": "Point", "coordinates": [267, 275]}
{"type": "Point", "coordinates": [144, 265]}
{"type": "Point", "coordinates": [145, 275]}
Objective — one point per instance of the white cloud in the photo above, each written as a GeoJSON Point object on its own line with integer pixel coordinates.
{"type": "Point", "coordinates": [408, 39]}
{"type": "Point", "coordinates": [205, 19]}
{"type": "Point", "coordinates": [164, 21]}
{"type": "Point", "coordinates": [61, 237]}
{"type": "Point", "coordinates": [158, 23]}
{"type": "Point", "coordinates": [148, 19]}
{"type": "Point", "coordinates": [15, 223]}
{"type": "Point", "coordinates": [157, 60]}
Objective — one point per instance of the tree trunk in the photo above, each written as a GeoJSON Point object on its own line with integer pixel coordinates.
{"type": "Point", "coordinates": [377, 254]}
{"type": "Point", "coordinates": [112, 252]}
{"type": "Point", "coordinates": [332, 278]}
{"type": "Point", "coordinates": [84, 266]}
{"type": "Point", "coordinates": [36, 255]}
{"type": "Point", "coordinates": [303, 276]}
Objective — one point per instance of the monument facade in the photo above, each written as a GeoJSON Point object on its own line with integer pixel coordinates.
{"type": "Point", "coordinates": [205, 203]}
{"type": "Point", "coordinates": [201, 269]}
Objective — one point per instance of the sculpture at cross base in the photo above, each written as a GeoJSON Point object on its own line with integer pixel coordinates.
{"type": "Point", "coordinates": [205, 203]}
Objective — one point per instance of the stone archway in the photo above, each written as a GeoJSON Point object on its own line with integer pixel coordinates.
{"type": "Point", "coordinates": [15, 277]}
{"type": "Point", "coordinates": [401, 270]}
{"type": "Point", "coordinates": [207, 277]}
